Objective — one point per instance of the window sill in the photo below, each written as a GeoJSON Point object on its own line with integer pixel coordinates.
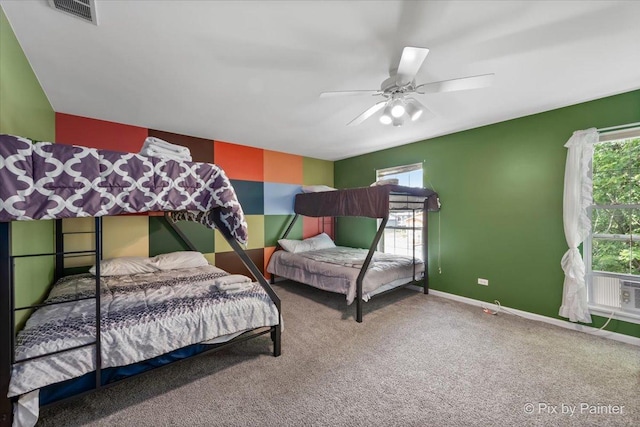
{"type": "Point", "coordinates": [618, 314]}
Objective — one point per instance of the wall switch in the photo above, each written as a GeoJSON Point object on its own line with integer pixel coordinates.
{"type": "Point", "coordinates": [483, 282]}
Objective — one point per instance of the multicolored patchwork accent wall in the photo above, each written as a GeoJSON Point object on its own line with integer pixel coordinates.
{"type": "Point", "coordinates": [266, 183]}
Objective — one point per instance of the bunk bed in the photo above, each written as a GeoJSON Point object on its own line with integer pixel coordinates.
{"type": "Point", "coordinates": [357, 273]}
{"type": "Point", "coordinates": [92, 344]}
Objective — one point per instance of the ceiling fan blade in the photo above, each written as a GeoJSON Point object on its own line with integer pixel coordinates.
{"type": "Point", "coordinates": [465, 83]}
{"type": "Point", "coordinates": [410, 62]}
{"type": "Point", "coordinates": [349, 93]}
{"type": "Point", "coordinates": [370, 112]}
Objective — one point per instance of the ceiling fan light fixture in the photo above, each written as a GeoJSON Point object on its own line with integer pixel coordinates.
{"type": "Point", "coordinates": [413, 110]}
{"type": "Point", "coordinates": [397, 109]}
{"type": "Point", "coordinates": [386, 117]}
{"type": "Point", "coordinates": [398, 121]}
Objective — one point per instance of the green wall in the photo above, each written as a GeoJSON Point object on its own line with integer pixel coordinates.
{"type": "Point", "coordinates": [501, 190]}
{"type": "Point", "coordinates": [24, 107]}
{"type": "Point", "coordinates": [25, 111]}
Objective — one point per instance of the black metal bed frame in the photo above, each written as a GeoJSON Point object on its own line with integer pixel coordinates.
{"type": "Point", "coordinates": [8, 308]}
{"type": "Point", "coordinates": [372, 249]}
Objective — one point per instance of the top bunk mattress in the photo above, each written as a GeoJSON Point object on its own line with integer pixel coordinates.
{"type": "Point", "coordinates": [46, 181]}
{"type": "Point", "coordinates": [372, 202]}
{"type": "Point", "coordinates": [337, 269]}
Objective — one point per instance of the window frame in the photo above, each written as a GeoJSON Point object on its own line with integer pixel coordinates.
{"type": "Point", "coordinates": [618, 313]}
{"type": "Point", "coordinates": [384, 173]}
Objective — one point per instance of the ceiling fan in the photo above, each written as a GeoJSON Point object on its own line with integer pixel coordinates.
{"type": "Point", "coordinates": [396, 90]}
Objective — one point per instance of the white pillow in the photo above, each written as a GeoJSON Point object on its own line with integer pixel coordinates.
{"type": "Point", "coordinates": [316, 188]}
{"type": "Point", "coordinates": [321, 241]}
{"type": "Point", "coordinates": [177, 260]}
{"type": "Point", "coordinates": [124, 265]}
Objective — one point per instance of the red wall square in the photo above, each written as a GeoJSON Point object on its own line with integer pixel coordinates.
{"type": "Point", "coordinates": [314, 226]}
{"type": "Point", "coordinates": [77, 130]}
{"type": "Point", "coordinates": [239, 161]}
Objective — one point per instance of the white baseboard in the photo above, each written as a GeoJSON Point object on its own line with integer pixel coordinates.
{"type": "Point", "coordinates": [538, 317]}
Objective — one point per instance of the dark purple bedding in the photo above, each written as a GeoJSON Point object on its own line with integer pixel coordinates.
{"type": "Point", "coordinates": [372, 202]}
{"type": "Point", "coordinates": [45, 181]}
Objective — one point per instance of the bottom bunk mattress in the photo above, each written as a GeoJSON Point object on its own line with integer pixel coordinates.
{"type": "Point", "coordinates": [336, 269]}
{"type": "Point", "coordinates": [142, 316]}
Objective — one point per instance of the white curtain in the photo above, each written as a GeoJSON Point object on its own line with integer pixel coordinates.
{"type": "Point", "coordinates": [577, 226]}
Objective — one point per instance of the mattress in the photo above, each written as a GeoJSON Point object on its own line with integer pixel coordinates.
{"type": "Point", "coordinates": [42, 180]}
{"type": "Point", "coordinates": [336, 270]}
{"type": "Point", "coordinates": [143, 316]}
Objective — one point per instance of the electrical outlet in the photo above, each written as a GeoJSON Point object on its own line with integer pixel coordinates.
{"type": "Point", "coordinates": [483, 282]}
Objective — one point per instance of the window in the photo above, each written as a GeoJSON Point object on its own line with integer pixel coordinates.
{"type": "Point", "coordinates": [612, 252]}
{"type": "Point", "coordinates": [400, 237]}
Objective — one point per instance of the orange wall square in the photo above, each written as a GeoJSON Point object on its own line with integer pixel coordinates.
{"type": "Point", "coordinates": [282, 167]}
{"type": "Point", "coordinates": [77, 130]}
{"type": "Point", "coordinates": [268, 251]}
{"type": "Point", "coordinates": [239, 161]}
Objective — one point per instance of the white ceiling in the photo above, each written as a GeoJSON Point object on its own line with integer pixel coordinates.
{"type": "Point", "coordinates": [250, 72]}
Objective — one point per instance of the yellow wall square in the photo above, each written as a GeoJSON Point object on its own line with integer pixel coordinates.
{"type": "Point", "coordinates": [256, 235]}
{"type": "Point", "coordinates": [125, 236]}
{"type": "Point", "coordinates": [211, 258]}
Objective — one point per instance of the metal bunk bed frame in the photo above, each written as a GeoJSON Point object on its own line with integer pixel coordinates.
{"type": "Point", "coordinates": [8, 308]}
{"type": "Point", "coordinates": [374, 245]}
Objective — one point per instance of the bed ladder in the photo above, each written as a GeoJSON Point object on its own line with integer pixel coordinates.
{"type": "Point", "coordinates": [8, 307]}
{"type": "Point", "coordinates": [6, 339]}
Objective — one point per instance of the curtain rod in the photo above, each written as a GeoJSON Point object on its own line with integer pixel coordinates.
{"type": "Point", "coordinates": [612, 128]}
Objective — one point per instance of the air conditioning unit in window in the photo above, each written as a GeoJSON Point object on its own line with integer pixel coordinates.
{"type": "Point", "coordinates": [630, 295]}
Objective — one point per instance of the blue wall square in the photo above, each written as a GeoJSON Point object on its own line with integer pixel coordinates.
{"type": "Point", "coordinates": [279, 198]}
{"type": "Point", "coordinates": [251, 196]}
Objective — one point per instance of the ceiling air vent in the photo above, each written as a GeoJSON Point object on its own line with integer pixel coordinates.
{"type": "Point", "coordinates": [83, 9]}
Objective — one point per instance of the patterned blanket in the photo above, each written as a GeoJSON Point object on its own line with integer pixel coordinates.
{"type": "Point", "coordinates": [354, 257]}
{"type": "Point", "coordinates": [45, 181]}
{"type": "Point", "coordinates": [337, 269]}
{"type": "Point", "coordinates": [143, 316]}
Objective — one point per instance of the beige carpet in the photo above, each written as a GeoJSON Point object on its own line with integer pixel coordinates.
{"type": "Point", "coordinates": [417, 360]}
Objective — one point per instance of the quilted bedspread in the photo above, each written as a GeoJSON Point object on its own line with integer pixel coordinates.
{"type": "Point", "coordinates": [45, 181]}
{"type": "Point", "coordinates": [337, 269]}
{"type": "Point", "coordinates": [143, 316]}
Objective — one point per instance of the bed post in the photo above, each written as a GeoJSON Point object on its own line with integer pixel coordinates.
{"type": "Point", "coordinates": [6, 339]}
{"type": "Point", "coordinates": [179, 232]}
{"type": "Point", "coordinates": [276, 331]}
{"type": "Point", "coordinates": [425, 246]}
{"type": "Point", "coordinates": [58, 272]}
{"type": "Point", "coordinates": [365, 267]}
{"type": "Point", "coordinates": [290, 227]}
{"type": "Point", "coordinates": [284, 236]}
{"type": "Point", "coordinates": [98, 246]}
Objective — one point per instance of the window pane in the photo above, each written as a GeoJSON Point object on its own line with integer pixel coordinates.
{"type": "Point", "coordinates": [401, 242]}
{"type": "Point", "coordinates": [612, 256]}
{"type": "Point", "coordinates": [616, 172]}
{"type": "Point", "coordinates": [404, 173]}
{"type": "Point", "coordinates": [398, 237]}
{"type": "Point", "coordinates": [601, 220]}
{"type": "Point", "coordinates": [619, 221]}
